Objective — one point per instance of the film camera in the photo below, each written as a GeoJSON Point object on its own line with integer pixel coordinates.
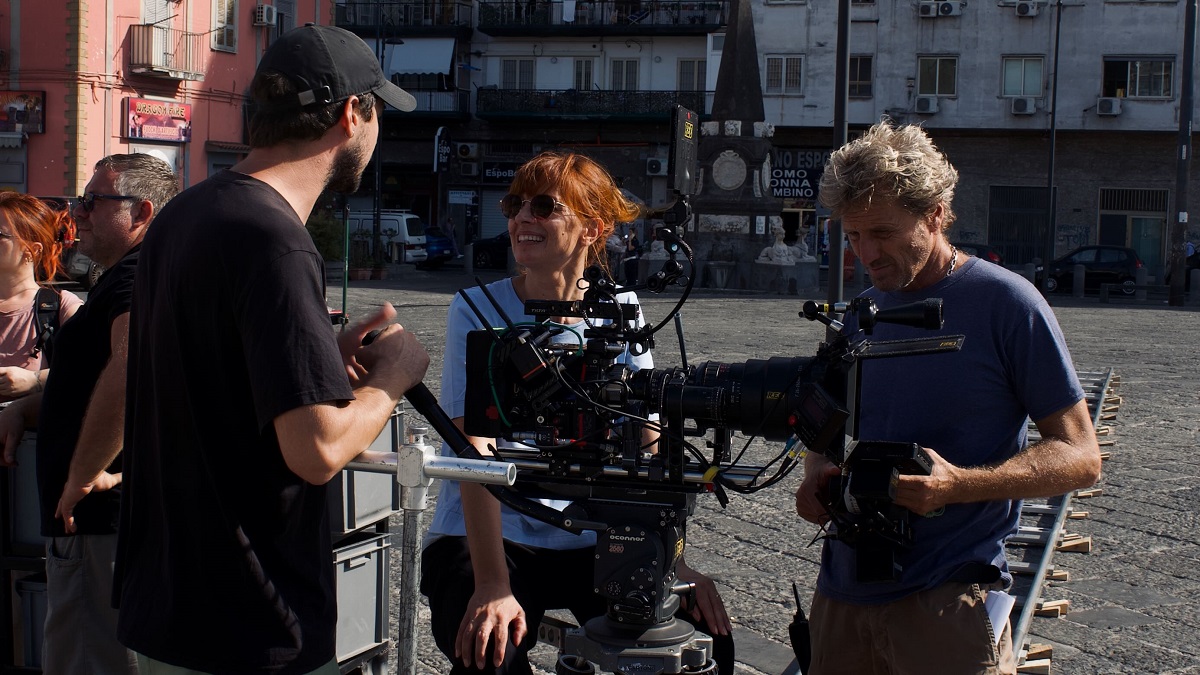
{"type": "Point", "coordinates": [628, 446]}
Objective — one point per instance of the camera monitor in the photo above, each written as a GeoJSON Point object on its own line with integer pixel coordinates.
{"type": "Point", "coordinates": [685, 132]}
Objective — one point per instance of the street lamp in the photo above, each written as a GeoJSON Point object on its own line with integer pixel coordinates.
{"type": "Point", "coordinates": [377, 218]}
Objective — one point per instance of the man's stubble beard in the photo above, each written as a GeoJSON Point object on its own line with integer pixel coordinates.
{"type": "Point", "coordinates": [346, 173]}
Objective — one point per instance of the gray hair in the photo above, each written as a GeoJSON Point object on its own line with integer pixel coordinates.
{"type": "Point", "coordinates": [142, 175]}
{"type": "Point", "coordinates": [897, 164]}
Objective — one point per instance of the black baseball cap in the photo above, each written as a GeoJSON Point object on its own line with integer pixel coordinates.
{"type": "Point", "coordinates": [329, 64]}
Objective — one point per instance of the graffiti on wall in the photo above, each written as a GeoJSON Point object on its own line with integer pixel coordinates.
{"type": "Point", "coordinates": [1072, 235]}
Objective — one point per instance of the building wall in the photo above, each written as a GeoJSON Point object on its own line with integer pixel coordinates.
{"type": "Point", "coordinates": [79, 53]}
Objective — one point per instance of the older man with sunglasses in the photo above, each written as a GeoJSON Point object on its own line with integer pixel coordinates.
{"type": "Point", "coordinates": [80, 419]}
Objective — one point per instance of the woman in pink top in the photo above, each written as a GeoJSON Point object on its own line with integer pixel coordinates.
{"type": "Point", "coordinates": [32, 238]}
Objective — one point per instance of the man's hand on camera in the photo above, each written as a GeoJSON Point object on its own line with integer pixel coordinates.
{"type": "Point", "coordinates": [494, 613]}
{"type": "Point", "coordinates": [927, 494]}
{"type": "Point", "coordinates": [708, 605]}
{"type": "Point", "coordinates": [811, 495]}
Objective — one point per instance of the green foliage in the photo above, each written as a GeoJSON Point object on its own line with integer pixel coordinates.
{"type": "Point", "coordinates": [327, 233]}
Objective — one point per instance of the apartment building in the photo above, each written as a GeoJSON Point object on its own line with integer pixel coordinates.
{"type": "Point", "coordinates": [515, 76]}
{"type": "Point", "coordinates": [79, 81]}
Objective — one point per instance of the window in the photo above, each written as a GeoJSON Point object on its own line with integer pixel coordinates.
{"type": "Point", "coordinates": [1148, 78]}
{"type": "Point", "coordinates": [693, 75]}
{"type": "Point", "coordinates": [286, 17]}
{"type": "Point", "coordinates": [224, 32]}
{"type": "Point", "coordinates": [937, 75]}
{"type": "Point", "coordinates": [583, 74]}
{"type": "Point", "coordinates": [624, 75]}
{"type": "Point", "coordinates": [783, 75]}
{"type": "Point", "coordinates": [860, 77]}
{"type": "Point", "coordinates": [1022, 76]}
{"type": "Point", "coordinates": [516, 73]}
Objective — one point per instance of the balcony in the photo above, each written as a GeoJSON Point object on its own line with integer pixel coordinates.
{"type": "Point", "coordinates": [571, 104]}
{"type": "Point", "coordinates": [436, 18]}
{"type": "Point", "coordinates": [158, 51]}
{"type": "Point", "coordinates": [438, 104]}
{"type": "Point", "coordinates": [595, 18]}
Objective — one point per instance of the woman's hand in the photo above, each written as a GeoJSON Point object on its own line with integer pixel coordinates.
{"type": "Point", "coordinates": [708, 606]}
{"type": "Point", "coordinates": [493, 613]}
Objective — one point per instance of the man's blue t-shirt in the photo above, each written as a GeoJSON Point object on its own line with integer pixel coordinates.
{"type": "Point", "coordinates": [970, 407]}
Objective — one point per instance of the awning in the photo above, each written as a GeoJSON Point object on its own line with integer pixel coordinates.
{"type": "Point", "coordinates": [12, 139]}
{"type": "Point", "coordinates": [420, 55]}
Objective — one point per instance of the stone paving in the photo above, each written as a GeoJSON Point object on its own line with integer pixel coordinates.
{"type": "Point", "coordinates": [1131, 607]}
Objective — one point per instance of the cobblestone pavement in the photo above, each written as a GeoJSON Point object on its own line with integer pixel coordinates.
{"type": "Point", "coordinates": [1131, 607]}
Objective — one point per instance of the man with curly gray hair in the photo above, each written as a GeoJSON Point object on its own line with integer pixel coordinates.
{"type": "Point", "coordinates": [893, 189]}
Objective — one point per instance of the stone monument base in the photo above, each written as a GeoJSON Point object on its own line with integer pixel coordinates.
{"type": "Point", "coordinates": [781, 279]}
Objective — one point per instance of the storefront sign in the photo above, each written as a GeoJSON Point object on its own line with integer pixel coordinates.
{"type": "Point", "coordinates": [460, 196]}
{"type": "Point", "coordinates": [23, 111]}
{"type": "Point", "coordinates": [498, 173]}
{"type": "Point", "coordinates": [796, 174]}
{"type": "Point", "coordinates": [158, 120]}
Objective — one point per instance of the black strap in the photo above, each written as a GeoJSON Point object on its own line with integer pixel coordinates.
{"type": "Point", "coordinates": [46, 308]}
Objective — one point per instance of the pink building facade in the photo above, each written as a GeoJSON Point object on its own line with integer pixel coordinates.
{"type": "Point", "coordinates": [81, 80]}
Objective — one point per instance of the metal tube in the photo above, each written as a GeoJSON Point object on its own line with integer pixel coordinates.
{"type": "Point", "coordinates": [406, 651]}
{"type": "Point", "coordinates": [453, 468]}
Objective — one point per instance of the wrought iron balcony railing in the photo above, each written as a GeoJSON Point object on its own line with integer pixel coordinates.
{"type": "Point", "coordinates": [159, 51]}
{"type": "Point", "coordinates": [571, 103]}
{"type": "Point", "coordinates": [615, 14]}
{"type": "Point", "coordinates": [437, 103]}
{"type": "Point", "coordinates": [393, 16]}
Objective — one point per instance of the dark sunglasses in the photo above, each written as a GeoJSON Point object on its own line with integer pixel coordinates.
{"type": "Point", "coordinates": [87, 200]}
{"type": "Point", "coordinates": [540, 206]}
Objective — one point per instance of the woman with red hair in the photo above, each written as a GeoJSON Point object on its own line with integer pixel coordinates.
{"type": "Point", "coordinates": [32, 238]}
{"type": "Point", "coordinates": [490, 573]}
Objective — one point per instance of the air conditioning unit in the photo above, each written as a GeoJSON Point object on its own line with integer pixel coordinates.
{"type": "Point", "coordinates": [1027, 8]}
{"type": "Point", "coordinates": [265, 15]}
{"type": "Point", "coordinates": [656, 167]}
{"type": "Point", "coordinates": [469, 168]}
{"type": "Point", "coordinates": [467, 150]}
{"type": "Point", "coordinates": [1024, 105]}
{"type": "Point", "coordinates": [1108, 106]}
{"type": "Point", "coordinates": [949, 9]}
{"type": "Point", "coordinates": [927, 10]}
{"type": "Point", "coordinates": [927, 105]}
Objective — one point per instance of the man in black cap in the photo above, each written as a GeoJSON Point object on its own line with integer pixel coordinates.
{"type": "Point", "coordinates": [242, 402]}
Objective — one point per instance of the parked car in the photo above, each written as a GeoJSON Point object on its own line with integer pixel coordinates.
{"type": "Point", "coordinates": [408, 240]}
{"type": "Point", "coordinates": [492, 253]}
{"type": "Point", "coordinates": [1102, 265]}
{"type": "Point", "coordinates": [982, 251]}
{"type": "Point", "coordinates": [438, 249]}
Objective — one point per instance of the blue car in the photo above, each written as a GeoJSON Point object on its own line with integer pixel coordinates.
{"type": "Point", "coordinates": [438, 247]}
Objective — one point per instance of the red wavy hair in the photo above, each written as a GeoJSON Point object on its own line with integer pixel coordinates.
{"type": "Point", "coordinates": [34, 221]}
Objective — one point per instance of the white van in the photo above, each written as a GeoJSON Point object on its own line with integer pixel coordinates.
{"type": "Point", "coordinates": [408, 242]}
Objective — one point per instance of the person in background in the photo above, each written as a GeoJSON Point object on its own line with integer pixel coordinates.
{"type": "Point", "coordinates": [892, 190]}
{"type": "Point", "coordinates": [633, 253]}
{"type": "Point", "coordinates": [452, 236]}
{"type": "Point", "coordinates": [32, 238]}
{"type": "Point", "coordinates": [243, 401]}
{"type": "Point", "coordinates": [80, 421]}
{"type": "Point", "coordinates": [491, 573]}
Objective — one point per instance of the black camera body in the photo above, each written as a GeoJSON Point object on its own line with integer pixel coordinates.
{"type": "Point", "coordinates": [861, 505]}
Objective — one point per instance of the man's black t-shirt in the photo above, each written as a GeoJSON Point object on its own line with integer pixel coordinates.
{"type": "Point", "coordinates": [79, 351]}
{"type": "Point", "coordinates": [224, 562]}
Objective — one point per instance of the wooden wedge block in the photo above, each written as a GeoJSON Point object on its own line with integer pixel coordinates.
{"type": "Point", "coordinates": [1052, 608]}
{"type": "Point", "coordinates": [1090, 492]}
{"type": "Point", "coordinates": [1035, 667]}
{"type": "Point", "coordinates": [1039, 651]}
{"type": "Point", "coordinates": [1080, 545]}
{"type": "Point", "coordinates": [1058, 575]}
